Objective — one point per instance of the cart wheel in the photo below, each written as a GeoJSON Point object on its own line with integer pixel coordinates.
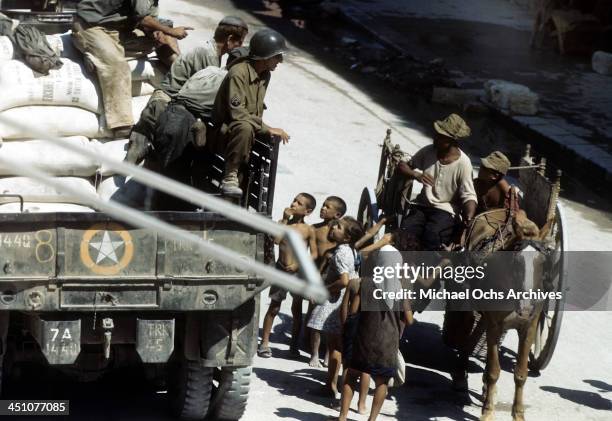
{"type": "Point", "coordinates": [367, 215]}
{"type": "Point", "coordinates": [549, 324]}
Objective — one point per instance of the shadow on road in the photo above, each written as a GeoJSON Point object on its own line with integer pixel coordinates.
{"type": "Point", "coordinates": [602, 386]}
{"type": "Point", "coordinates": [306, 383]}
{"type": "Point", "coordinates": [294, 414]}
{"type": "Point", "coordinates": [581, 397]}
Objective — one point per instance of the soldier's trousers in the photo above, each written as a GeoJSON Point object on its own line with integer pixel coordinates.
{"type": "Point", "coordinates": [233, 142]}
{"type": "Point", "coordinates": [105, 50]}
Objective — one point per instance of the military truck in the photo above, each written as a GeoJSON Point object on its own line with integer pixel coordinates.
{"type": "Point", "coordinates": [86, 293]}
{"type": "Point", "coordinates": [50, 16]}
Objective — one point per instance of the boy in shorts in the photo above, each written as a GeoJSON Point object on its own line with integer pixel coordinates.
{"type": "Point", "coordinates": [293, 216]}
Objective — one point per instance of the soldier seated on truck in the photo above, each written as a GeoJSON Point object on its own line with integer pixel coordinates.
{"type": "Point", "coordinates": [239, 106]}
{"type": "Point", "coordinates": [108, 31]}
{"type": "Point", "coordinates": [176, 144]}
{"type": "Point", "coordinates": [229, 35]}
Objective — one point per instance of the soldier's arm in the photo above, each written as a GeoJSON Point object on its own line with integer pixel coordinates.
{"type": "Point", "coordinates": [237, 97]}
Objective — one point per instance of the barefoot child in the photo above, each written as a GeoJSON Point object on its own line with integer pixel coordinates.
{"type": "Point", "coordinates": [326, 317]}
{"type": "Point", "coordinates": [333, 209]}
{"type": "Point", "coordinates": [371, 339]}
{"type": "Point", "coordinates": [293, 216]}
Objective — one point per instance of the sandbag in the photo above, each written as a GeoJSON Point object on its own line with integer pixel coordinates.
{"type": "Point", "coordinates": [152, 71]}
{"type": "Point", "coordinates": [114, 149]}
{"type": "Point", "coordinates": [60, 121]}
{"type": "Point", "coordinates": [18, 73]}
{"type": "Point", "coordinates": [124, 190]}
{"type": "Point", "coordinates": [142, 88]}
{"type": "Point", "coordinates": [6, 49]}
{"type": "Point", "coordinates": [70, 89]}
{"type": "Point", "coordinates": [518, 99]}
{"type": "Point", "coordinates": [49, 157]}
{"type": "Point", "coordinates": [33, 191]}
{"type": "Point", "coordinates": [35, 207]}
{"type": "Point", "coordinates": [199, 92]}
{"type": "Point", "coordinates": [34, 49]}
{"type": "Point", "coordinates": [56, 121]}
{"type": "Point", "coordinates": [60, 43]}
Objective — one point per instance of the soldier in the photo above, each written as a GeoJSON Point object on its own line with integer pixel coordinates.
{"type": "Point", "coordinates": [230, 34]}
{"type": "Point", "coordinates": [108, 31]}
{"type": "Point", "coordinates": [239, 106]}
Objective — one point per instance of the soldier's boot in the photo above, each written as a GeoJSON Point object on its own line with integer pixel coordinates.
{"type": "Point", "coordinates": [230, 185]}
{"type": "Point", "coordinates": [199, 133]}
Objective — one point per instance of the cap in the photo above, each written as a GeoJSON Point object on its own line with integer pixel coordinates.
{"type": "Point", "coordinates": [234, 21]}
{"type": "Point", "coordinates": [453, 126]}
{"type": "Point", "coordinates": [496, 161]}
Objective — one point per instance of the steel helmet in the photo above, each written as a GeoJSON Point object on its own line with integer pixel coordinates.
{"type": "Point", "coordinates": [267, 43]}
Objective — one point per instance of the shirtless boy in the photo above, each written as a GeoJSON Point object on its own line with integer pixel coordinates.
{"type": "Point", "coordinates": [333, 208]}
{"type": "Point", "coordinates": [293, 216]}
{"type": "Point", "coordinates": [491, 187]}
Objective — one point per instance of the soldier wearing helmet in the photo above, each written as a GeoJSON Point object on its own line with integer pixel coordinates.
{"type": "Point", "coordinates": [239, 106]}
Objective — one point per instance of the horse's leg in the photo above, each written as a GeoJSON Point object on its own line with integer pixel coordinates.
{"type": "Point", "coordinates": [494, 331]}
{"type": "Point", "coordinates": [526, 337]}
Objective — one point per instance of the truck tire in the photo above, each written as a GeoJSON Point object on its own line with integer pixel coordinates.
{"type": "Point", "coordinates": [190, 389]}
{"type": "Point", "coordinates": [232, 404]}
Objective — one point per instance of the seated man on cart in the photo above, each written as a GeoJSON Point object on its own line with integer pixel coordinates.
{"type": "Point", "coordinates": [448, 189]}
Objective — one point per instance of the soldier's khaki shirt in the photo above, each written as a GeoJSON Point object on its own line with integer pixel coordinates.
{"type": "Point", "coordinates": [187, 65]}
{"type": "Point", "coordinates": [241, 97]}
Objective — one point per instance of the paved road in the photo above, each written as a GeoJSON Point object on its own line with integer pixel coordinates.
{"type": "Point", "coordinates": [335, 129]}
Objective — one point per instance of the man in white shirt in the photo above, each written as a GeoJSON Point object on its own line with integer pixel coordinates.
{"type": "Point", "coordinates": [448, 189]}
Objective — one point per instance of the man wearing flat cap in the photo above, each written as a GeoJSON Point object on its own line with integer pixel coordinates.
{"type": "Point", "coordinates": [492, 189]}
{"type": "Point", "coordinates": [448, 190]}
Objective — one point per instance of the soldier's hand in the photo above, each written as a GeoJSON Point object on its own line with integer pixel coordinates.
{"type": "Point", "coordinates": [180, 32]}
{"type": "Point", "coordinates": [280, 133]}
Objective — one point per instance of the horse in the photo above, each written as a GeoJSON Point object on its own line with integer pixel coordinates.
{"type": "Point", "coordinates": [501, 230]}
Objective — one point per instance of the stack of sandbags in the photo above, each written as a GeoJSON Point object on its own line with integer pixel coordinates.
{"type": "Point", "coordinates": [66, 103]}
{"type": "Point", "coordinates": [115, 186]}
{"type": "Point", "coordinates": [512, 97]}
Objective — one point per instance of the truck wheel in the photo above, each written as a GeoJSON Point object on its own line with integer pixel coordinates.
{"type": "Point", "coordinates": [234, 385]}
{"type": "Point", "coordinates": [190, 389]}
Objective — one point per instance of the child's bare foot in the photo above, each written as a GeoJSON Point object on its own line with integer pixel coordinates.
{"type": "Point", "coordinates": [362, 409]}
{"type": "Point", "coordinates": [314, 362]}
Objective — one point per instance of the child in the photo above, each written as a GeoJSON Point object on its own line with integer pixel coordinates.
{"type": "Point", "coordinates": [371, 340]}
{"type": "Point", "coordinates": [491, 187]}
{"type": "Point", "coordinates": [326, 317]}
{"type": "Point", "coordinates": [293, 216]}
{"type": "Point", "coordinates": [333, 209]}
